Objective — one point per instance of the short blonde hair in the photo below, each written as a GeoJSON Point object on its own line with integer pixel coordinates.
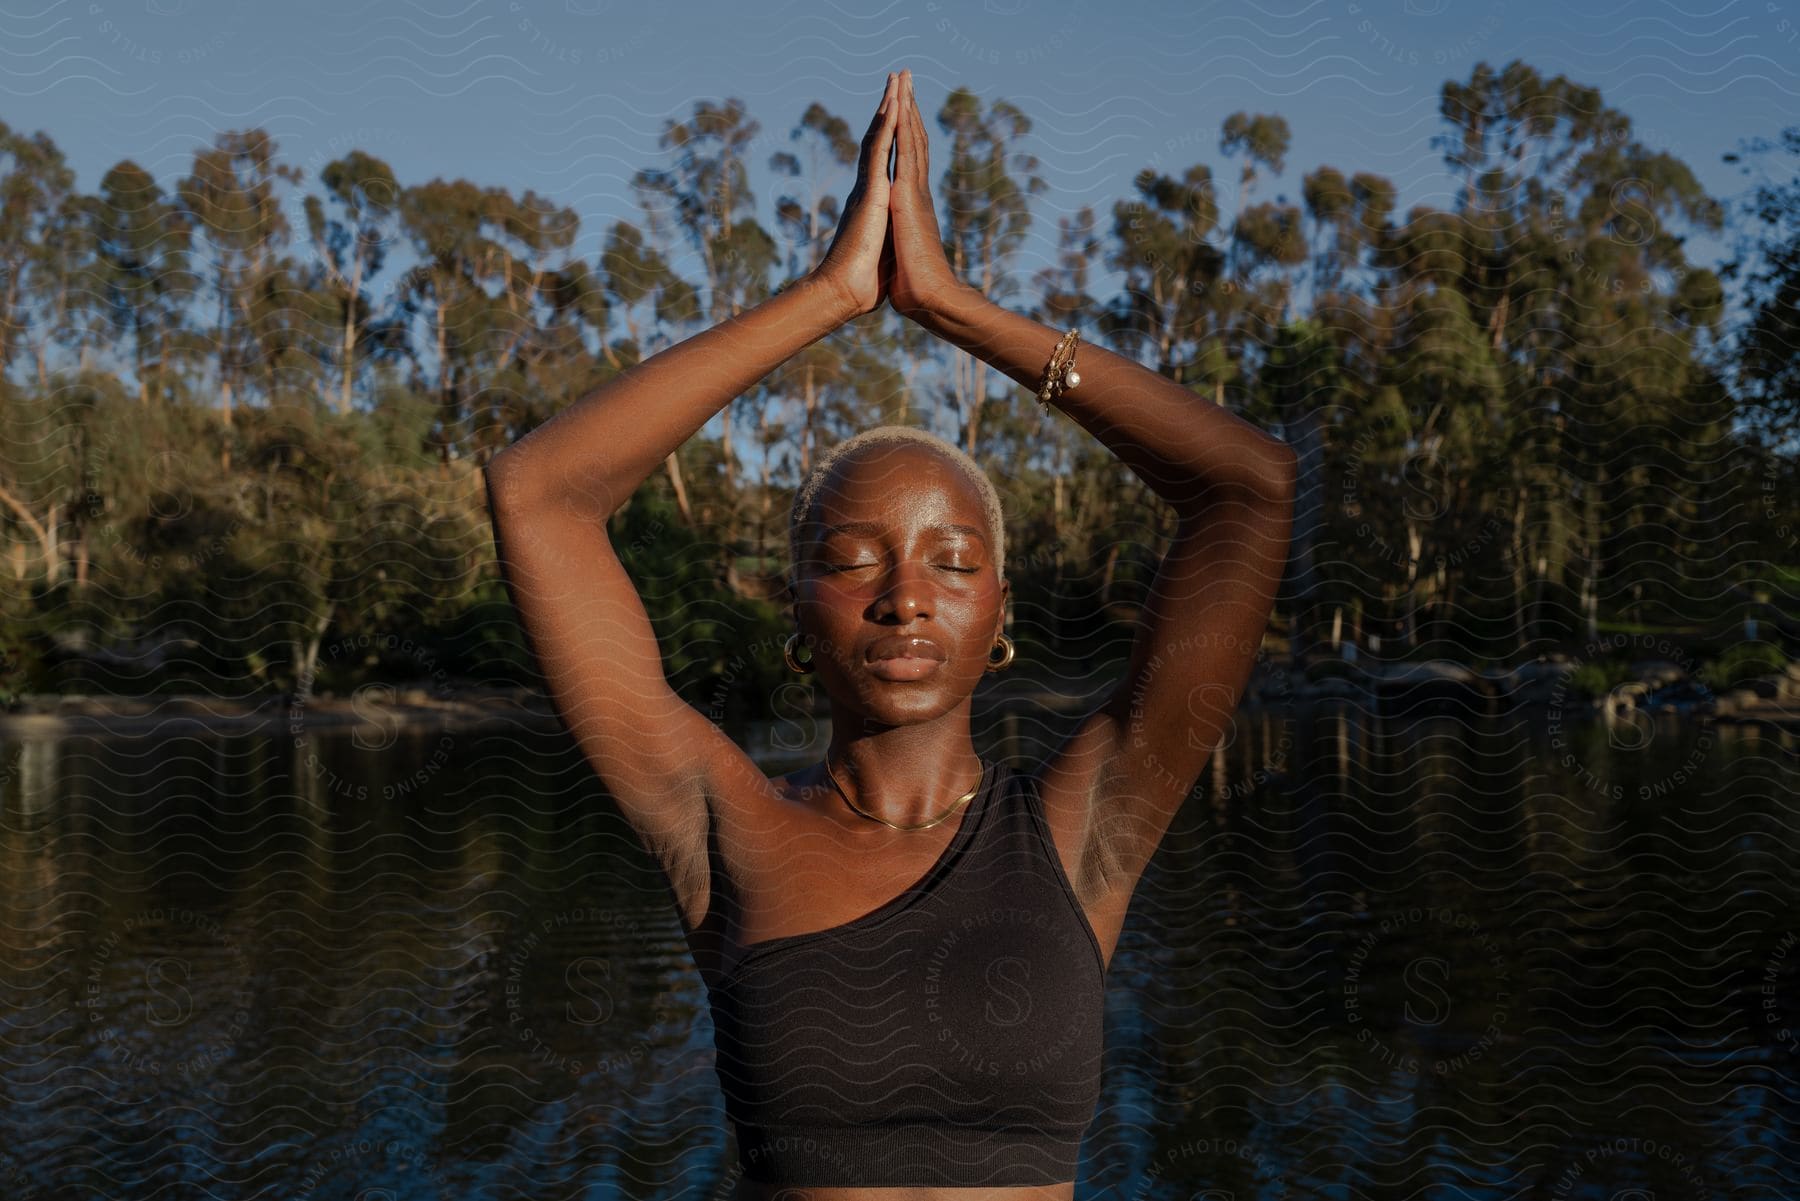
{"type": "Point", "coordinates": [806, 498]}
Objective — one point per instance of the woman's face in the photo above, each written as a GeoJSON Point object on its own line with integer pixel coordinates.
{"type": "Point", "coordinates": [899, 550]}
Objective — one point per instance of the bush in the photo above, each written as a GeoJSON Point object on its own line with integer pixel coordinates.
{"type": "Point", "coordinates": [1598, 679]}
{"type": "Point", "coordinates": [1742, 662]}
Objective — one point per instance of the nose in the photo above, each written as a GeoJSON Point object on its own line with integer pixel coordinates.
{"type": "Point", "coordinates": [908, 593]}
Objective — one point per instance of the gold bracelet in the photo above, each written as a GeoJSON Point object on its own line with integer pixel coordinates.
{"type": "Point", "coordinates": [1059, 374]}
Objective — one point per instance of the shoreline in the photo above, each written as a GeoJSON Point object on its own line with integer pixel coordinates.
{"type": "Point", "coordinates": [486, 708]}
{"type": "Point", "coordinates": [196, 713]}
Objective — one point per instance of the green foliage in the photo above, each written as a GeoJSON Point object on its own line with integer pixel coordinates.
{"type": "Point", "coordinates": [1599, 678]}
{"type": "Point", "coordinates": [1514, 424]}
{"type": "Point", "coordinates": [1744, 661]}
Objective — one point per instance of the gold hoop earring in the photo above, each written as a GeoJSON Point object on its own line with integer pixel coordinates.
{"type": "Point", "coordinates": [787, 653]}
{"type": "Point", "coordinates": [1007, 643]}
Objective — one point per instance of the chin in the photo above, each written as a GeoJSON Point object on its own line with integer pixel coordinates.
{"type": "Point", "coordinates": [899, 702]}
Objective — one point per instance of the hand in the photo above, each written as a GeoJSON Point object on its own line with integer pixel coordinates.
{"type": "Point", "coordinates": [921, 273]}
{"type": "Point", "coordinates": [853, 264]}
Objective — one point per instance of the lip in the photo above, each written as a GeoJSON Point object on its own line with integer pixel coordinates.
{"type": "Point", "coordinates": [904, 667]}
{"type": "Point", "coordinates": [892, 647]}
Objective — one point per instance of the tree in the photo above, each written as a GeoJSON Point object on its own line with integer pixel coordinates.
{"type": "Point", "coordinates": [986, 215]}
{"type": "Point", "coordinates": [33, 192]}
{"type": "Point", "coordinates": [229, 198]}
{"type": "Point", "coordinates": [810, 223]}
{"type": "Point", "coordinates": [354, 248]}
{"type": "Point", "coordinates": [706, 196]}
{"type": "Point", "coordinates": [1768, 347]}
{"type": "Point", "coordinates": [141, 269]}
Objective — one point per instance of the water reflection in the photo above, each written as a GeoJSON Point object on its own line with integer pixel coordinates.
{"type": "Point", "coordinates": [1457, 955]}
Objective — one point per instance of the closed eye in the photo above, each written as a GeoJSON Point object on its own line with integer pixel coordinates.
{"type": "Point", "coordinates": [854, 566]}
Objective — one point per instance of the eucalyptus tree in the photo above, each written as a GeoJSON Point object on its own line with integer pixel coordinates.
{"type": "Point", "coordinates": [541, 301]}
{"type": "Point", "coordinates": [141, 272]}
{"type": "Point", "coordinates": [631, 273]}
{"type": "Point", "coordinates": [1765, 363]}
{"type": "Point", "coordinates": [705, 197]}
{"type": "Point", "coordinates": [229, 199]}
{"type": "Point", "coordinates": [1574, 266]}
{"type": "Point", "coordinates": [1172, 306]}
{"type": "Point", "coordinates": [1324, 376]}
{"type": "Point", "coordinates": [486, 262]}
{"type": "Point", "coordinates": [1088, 491]}
{"type": "Point", "coordinates": [36, 186]}
{"type": "Point", "coordinates": [987, 185]}
{"type": "Point", "coordinates": [351, 249]}
{"type": "Point", "coordinates": [807, 218]}
{"type": "Point", "coordinates": [1767, 261]}
{"type": "Point", "coordinates": [1266, 240]}
{"type": "Point", "coordinates": [1428, 436]}
{"type": "Point", "coordinates": [443, 220]}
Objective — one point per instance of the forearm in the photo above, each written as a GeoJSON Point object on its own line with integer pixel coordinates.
{"type": "Point", "coordinates": [596, 452]}
{"type": "Point", "coordinates": [1187, 449]}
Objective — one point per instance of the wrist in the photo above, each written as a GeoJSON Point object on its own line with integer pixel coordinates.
{"type": "Point", "coordinates": [828, 298]}
{"type": "Point", "coordinates": [947, 310]}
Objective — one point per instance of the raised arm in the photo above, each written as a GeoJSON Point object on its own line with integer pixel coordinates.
{"type": "Point", "coordinates": [1116, 783]}
{"type": "Point", "coordinates": [594, 454]}
{"type": "Point", "coordinates": [552, 491]}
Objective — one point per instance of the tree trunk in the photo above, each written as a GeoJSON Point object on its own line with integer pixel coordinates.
{"type": "Point", "coordinates": [143, 381]}
{"type": "Point", "coordinates": [306, 661]}
{"type": "Point", "coordinates": [443, 354]}
{"type": "Point", "coordinates": [1415, 541]}
{"type": "Point", "coordinates": [225, 439]}
{"type": "Point", "coordinates": [53, 549]}
{"type": "Point", "coordinates": [224, 381]}
{"type": "Point", "coordinates": [1106, 574]}
{"type": "Point", "coordinates": [46, 538]}
{"type": "Point", "coordinates": [350, 335]}
{"type": "Point", "coordinates": [762, 515]}
{"type": "Point", "coordinates": [1590, 572]}
{"type": "Point", "coordinates": [1521, 557]}
{"type": "Point", "coordinates": [978, 382]}
{"type": "Point", "coordinates": [681, 496]}
{"type": "Point", "coordinates": [1309, 448]}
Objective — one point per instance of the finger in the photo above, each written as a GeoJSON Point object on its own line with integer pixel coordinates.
{"type": "Point", "coordinates": [917, 120]}
{"type": "Point", "coordinates": [876, 145]}
{"type": "Point", "coordinates": [917, 146]}
{"type": "Point", "coordinates": [884, 114]}
{"type": "Point", "coordinates": [887, 96]}
{"type": "Point", "coordinates": [878, 142]}
{"type": "Point", "coordinates": [903, 134]}
{"type": "Point", "coordinates": [872, 135]}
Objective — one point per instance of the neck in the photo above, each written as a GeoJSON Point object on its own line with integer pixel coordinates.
{"type": "Point", "coordinates": [903, 774]}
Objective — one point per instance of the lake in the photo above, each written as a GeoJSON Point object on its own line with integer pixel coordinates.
{"type": "Point", "coordinates": [1434, 954]}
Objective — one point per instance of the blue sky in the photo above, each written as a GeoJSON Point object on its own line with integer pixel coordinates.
{"type": "Point", "coordinates": [568, 97]}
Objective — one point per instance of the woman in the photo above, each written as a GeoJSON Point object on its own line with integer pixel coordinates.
{"type": "Point", "coordinates": [905, 944]}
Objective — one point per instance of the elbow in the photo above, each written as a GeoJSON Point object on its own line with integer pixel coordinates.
{"type": "Point", "coordinates": [522, 480]}
{"type": "Point", "coordinates": [515, 483]}
{"type": "Point", "coordinates": [1275, 478]}
{"type": "Point", "coordinates": [506, 483]}
{"type": "Point", "coordinates": [1286, 474]}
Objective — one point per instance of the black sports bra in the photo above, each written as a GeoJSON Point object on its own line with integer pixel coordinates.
{"type": "Point", "coordinates": [952, 1037]}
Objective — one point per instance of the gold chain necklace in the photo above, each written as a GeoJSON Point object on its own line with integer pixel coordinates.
{"type": "Point", "coordinates": [961, 801]}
